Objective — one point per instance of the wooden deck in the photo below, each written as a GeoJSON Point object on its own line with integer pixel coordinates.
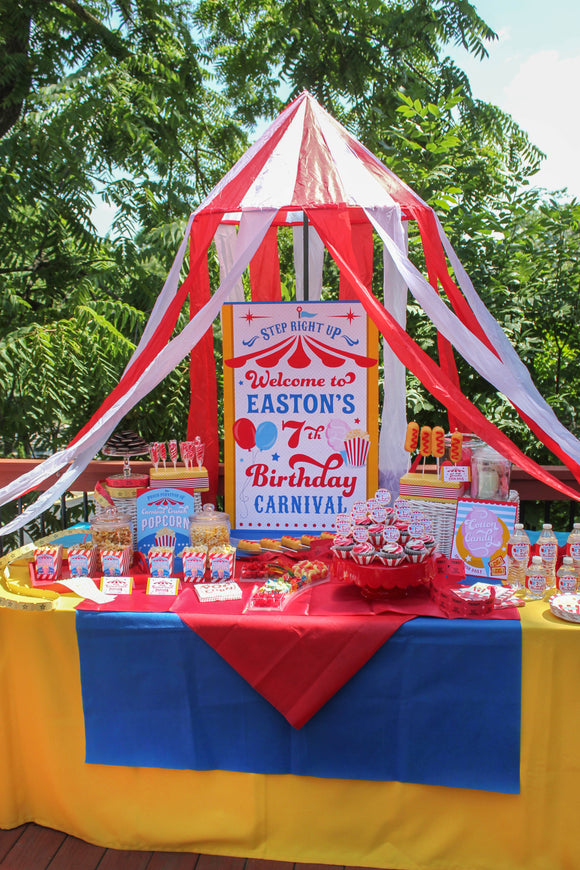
{"type": "Point", "coordinates": [32, 847]}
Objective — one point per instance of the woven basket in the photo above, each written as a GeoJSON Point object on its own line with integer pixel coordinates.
{"type": "Point", "coordinates": [442, 515]}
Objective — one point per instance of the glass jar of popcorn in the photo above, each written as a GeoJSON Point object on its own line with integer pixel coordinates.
{"type": "Point", "coordinates": [112, 530]}
{"type": "Point", "coordinates": [209, 528]}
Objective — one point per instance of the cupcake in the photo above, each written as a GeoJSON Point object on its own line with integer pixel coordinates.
{"type": "Point", "coordinates": [376, 534]}
{"type": "Point", "coordinates": [415, 549]}
{"type": "Point", "coordinates": [430, 543]}
{"type": "Point", "coordinates": [389, 516]}
{"type": "Point", "coordinates": [363, 553]}
{"type": "Point", "coordinates": [391, 554]}
{"type": "Point", "coordinates": [342, 545]}
{"type": "Point", "coordinates": [403, 528]}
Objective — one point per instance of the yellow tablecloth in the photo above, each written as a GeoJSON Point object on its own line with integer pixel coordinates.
{"type": "Point", "coordinates": [44, 777]}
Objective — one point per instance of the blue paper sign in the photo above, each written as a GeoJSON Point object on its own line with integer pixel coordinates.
{"type": "Point", "coordinates": [163, 520]}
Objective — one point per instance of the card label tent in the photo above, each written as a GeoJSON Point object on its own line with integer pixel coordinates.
{"type": "Point", "coordinates": [300, 412]}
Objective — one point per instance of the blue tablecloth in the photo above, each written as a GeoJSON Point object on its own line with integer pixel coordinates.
{"type": "Point", "coordinates": [438, 704]}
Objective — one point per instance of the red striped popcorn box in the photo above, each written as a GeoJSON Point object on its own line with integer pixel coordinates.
{"type": "Point", "coordinates": [222, 561]}
{"type": "Point", "coordinates": [116, 563]}
{"type": "Point", "coordinates": [194, 563]}
{"type": "Point", "coordinates": [83, 560]}
{"type": "Point", "coordinates": [165, 538]}
{"type": "Point", "coordinates": [161, 561]}
{"type": "Point", "coordinates": [356, 445]}
{"type": "Point", "coordinates": [48, 562]}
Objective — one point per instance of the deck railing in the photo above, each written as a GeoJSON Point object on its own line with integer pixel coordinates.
{"type": "Point", "coordinates": [538, 502]}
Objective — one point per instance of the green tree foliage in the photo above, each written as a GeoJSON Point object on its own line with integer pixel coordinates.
{"type": "Point", "coordinates": [107, 99]}
{"type": "Point", "coordinates": [146, 103]}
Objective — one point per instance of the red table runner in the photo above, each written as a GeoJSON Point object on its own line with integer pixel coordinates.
{"type": "Point", "coordinates": [297, 659]}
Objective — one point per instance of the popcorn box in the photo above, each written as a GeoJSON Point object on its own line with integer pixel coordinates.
{"type": "Point", "coordinates": [221, 563]}
{"type": "Point", "coordinates": [194, 563]}
{"type": "Point", "coordinates": [116, 563]}
{"type": "Point", "coordinates": [48, 562]}
{"type": "Point", "coordinates": [161, 561]}
{"type": "Point", "coordinates": [83, 560]}
{"type": "Point", "coordinates": [356, 445]}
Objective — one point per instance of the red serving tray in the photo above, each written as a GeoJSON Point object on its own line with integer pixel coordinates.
{"type": "Point", "coordinates": [381, 581]}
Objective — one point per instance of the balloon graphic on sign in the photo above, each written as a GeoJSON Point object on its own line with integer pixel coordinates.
{"type": "Point", "coordinates": [244, 433]}
{"type": "Point", "coordinates": [266, 435]}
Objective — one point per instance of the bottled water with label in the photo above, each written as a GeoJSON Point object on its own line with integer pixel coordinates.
{"type": "Point", "coordinates": [536, 579]}
{"type": "Point", "coordinates": [519, 557]}
{"type": "Point", "coordinates": [573, 545]}
{"type": "Point", "coordinates": [567, 576]}
{"type": "Point", "coordinates": [548, 552]}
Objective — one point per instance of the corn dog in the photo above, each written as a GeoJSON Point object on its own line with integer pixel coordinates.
{"type": "Point", "coordinates": [456, 447]}
{"type": "Point", "coordinates": [250, 546]}
{"type": "Point", "coordinates": [438, 441]}
{"type": "Point", "coordinates": [425, 440]}
{"type": "Point", "coordinates": [412, 437]}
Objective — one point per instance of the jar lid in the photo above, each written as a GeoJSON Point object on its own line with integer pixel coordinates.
{"type": "Point", "coordinates": [487, 452]}
{"type": "Point", "coordinates": [209, 516]}
{"type": "Point", "coordinates": [111, 518]}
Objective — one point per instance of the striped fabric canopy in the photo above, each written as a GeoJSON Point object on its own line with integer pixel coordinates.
{"type": "Point", "coordinates": [307, 164]}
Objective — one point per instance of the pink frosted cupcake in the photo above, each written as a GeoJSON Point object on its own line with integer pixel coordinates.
{"type": "Point", "coordinates": [342, 545]}
{"type": "Point", "coordinates": [389, 516]}
{"type": "Point", "coordinates": [376, 534]}
{"type": "Point", "coordinates": [363, 553]}
{"type": "Point", "coordinates": [391, 554]}
{"type": "Point", "coordinates": [415, 549]}
{"type": "Point", "coordinates": [403, 528]}
{"type": "Point", "coordinates": [430, 543]}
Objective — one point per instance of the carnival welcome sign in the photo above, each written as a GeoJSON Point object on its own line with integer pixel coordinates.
{"type": "Point", "coordinates": [300, 412]}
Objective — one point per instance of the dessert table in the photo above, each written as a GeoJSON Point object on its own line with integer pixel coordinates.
{"type": "Point", "coordinates": [330, 791]}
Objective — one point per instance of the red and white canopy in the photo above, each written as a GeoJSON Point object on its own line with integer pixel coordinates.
{"type": "Point", "coordinates": [307, 164]}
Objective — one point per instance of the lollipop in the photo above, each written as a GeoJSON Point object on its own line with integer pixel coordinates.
{"type": "Point", "coordinates": [184, 453]}
{"type": "Point", "coordinates": [173, 452]}
{"type": "Point", "coordinates": [162, 453]}
{"type": "Point", "coordinates": [154, 453]}
{"type": "Point", "coordinates": [199, 447]}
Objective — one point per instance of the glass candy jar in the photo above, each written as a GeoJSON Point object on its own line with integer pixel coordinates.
{"type": "Point", "coordinates": [112, 530]}
{"type": "Point", "coordinates": [490, 474]}
{"type": "Point", "coordinates": [209, 528]}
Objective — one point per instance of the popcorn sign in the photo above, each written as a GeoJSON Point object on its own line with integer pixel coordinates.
{"type": "Point", "coordinates": [301, 412]}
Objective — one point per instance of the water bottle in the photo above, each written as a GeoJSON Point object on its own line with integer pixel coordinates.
{"type": "Point", "coordinates": [567, 576]}
{"type": "Point", "coordinates": [519, 556]}
{"type": "Point", "coordinates": [536, 578]}
{"type": "Point", "coordinates": [548, 552]}
{"type": "Point", "coordinates": [573, 545]}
